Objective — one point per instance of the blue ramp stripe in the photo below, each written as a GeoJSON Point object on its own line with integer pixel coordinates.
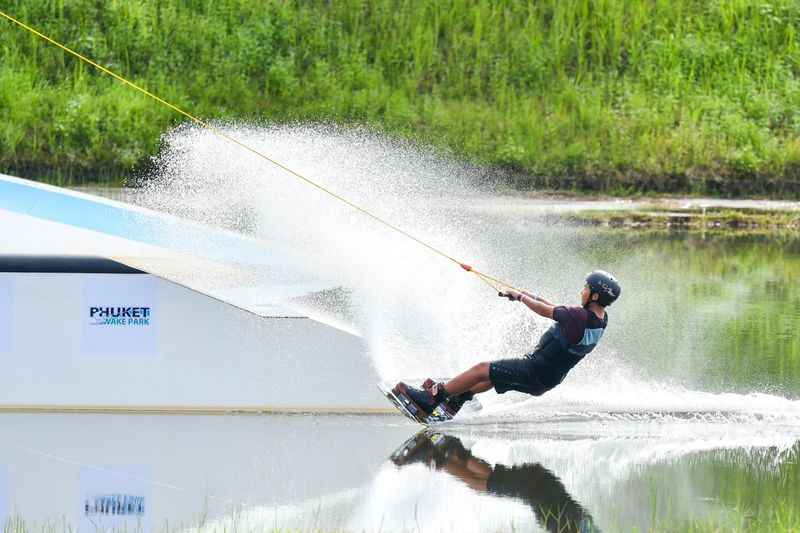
{"type": "Point", "coordinates": [136, 224]}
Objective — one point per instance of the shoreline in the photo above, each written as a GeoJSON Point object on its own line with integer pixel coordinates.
{"type": "Point", "coordinates": [663, 213]}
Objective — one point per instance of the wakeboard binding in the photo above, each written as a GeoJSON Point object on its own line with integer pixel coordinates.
{"type": "Point", "coordinates": [408, 402]}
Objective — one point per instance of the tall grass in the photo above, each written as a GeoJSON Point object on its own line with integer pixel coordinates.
{"type": "Point", "coordinates": [613, 95]}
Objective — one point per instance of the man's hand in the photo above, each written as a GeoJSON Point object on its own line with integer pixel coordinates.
{"type": "Point", "coordinates": [514, 296]}
{"type": "Point", "coordinates": [538, 305]}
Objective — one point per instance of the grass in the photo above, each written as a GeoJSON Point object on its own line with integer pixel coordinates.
{"type": "Point", "coordinates": [712, 219]}
{"type": "Point", "coordinates": [595, 95]}
{"type": "Point", "coordinates": [782, 518]}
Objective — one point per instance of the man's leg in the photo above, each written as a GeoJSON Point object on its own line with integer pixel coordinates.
{"type": "Point", "coordinates": [475, 377]}
{"type": "Point", "coordinates": [481, 387]}
{"type": "Point", "coordinates": [474, 380]}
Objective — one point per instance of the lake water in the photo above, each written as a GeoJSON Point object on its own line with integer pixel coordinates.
{"type": "Point", "coordinates": [689, 414]}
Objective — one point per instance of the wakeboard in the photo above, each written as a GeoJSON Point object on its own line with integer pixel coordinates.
{"type": "Point", "coordinates": [411, 410]}
{"type": "Point", "coordinates": [422, 447]}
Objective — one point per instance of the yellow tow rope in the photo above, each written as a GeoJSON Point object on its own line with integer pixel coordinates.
{"type": "Point", "coordinates": [494, 283]}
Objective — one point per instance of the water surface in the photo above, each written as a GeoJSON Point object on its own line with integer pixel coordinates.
{"type": "Point", "coordinates": [688, 412]}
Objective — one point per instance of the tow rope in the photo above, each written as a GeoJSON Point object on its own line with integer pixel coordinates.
{"type": "Point", "coordinates": [494, 283]}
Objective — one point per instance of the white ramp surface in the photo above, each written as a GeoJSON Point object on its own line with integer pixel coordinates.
{"type": "Point", "coordinates": [221, 331]}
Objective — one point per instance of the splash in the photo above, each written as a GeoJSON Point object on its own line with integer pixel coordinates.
{"type": "Point", "coordinates": [420, 314]}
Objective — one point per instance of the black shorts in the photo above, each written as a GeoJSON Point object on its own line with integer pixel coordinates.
{"type": "Point", "coordinates": [516, 374]}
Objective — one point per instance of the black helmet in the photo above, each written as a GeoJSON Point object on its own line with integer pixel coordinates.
{"type": "Point", "coordinates": [605, 285]}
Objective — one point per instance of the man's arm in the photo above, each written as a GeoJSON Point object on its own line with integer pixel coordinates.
{"type": "Point", "coordinates": [526, 293]}
{"type": "Point", "coordinates": [534, 303]}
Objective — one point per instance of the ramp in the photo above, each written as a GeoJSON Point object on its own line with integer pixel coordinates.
{"type": "Point", "coordinates": [105, 306]}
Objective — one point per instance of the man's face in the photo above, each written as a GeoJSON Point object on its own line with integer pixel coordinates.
{"type": "Point", "coordinates": [585, 295]}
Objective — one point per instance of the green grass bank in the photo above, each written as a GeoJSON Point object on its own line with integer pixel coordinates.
{"type": "Point", "coordinates": [689, 96]}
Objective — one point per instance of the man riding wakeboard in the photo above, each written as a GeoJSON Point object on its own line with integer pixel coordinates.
{"type": "Point", "coordinates": [575, 333]}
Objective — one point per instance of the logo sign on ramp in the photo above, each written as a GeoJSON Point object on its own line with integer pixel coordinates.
{"type": "Point", "coordinates": [120, 315]}
{"type": "Point", "coordinates": [115, 499]}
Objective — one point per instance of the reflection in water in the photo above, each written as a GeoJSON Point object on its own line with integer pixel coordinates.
{"type": "Point", "coordinates": [559, 475]}
{"type": "Point", "coordinates": [729, 308]}
{"type": "Point", "coordinates": [532, 483]}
